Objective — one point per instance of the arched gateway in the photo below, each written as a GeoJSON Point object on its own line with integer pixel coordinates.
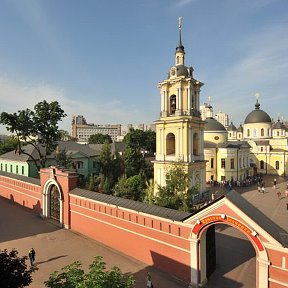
{"type": "Point", "coordinates": [235, 211]}
{"type": "Point", "coordinates": [53, 199]}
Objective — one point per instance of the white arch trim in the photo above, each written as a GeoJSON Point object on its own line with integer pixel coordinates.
{"type": "Point", "coordinates": [45, 198]}
{"type": "Point", "coordinates": [197, 252]}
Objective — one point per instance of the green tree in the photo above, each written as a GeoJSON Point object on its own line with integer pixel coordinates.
{"type": "Point", "coordinates": [64, 135]}
{"type": "Point", "coordinates": [73, 276]}
{"type": "Point", "coordinates": [176, 194]}
{"type": "Point", "coordinates": [131, 188]}
{"type": "Point", "coordinates": [14, 271]}
{"type": "Point", "coordinates": [9, 144]}
{"type": "Point", "coordinates": [134, 162]}
{"type": "Point", "coordinates": [38, 128]}
{"type": "Point", "coordinates": [143, 140]}
{"type": "Point", "coordinates": [99, 138]}
{"type": "Point", "coordinates": [63, 159]}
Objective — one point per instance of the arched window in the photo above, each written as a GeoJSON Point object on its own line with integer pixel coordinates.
{"type": "Point", "coordinates": [277, 133]}
{"type": "Point", "coordinates": [262, 164]}
{"type": "Point", "coordinates": [195, 144]}
{"type": "Point", "coordinates": [173, 104]}
{"type": "Point", "coordinates": [254, 132]}
{"type": "Point", "coordinates": [248, 132]}
{"type": "Point", "coordinates": [177, 60]}
{"type": "Point", "coordinates": [262, 132]}
{"type": "Point", "coordinates": [277, 165]}
{"type": "Point", "coordinates": [170, 144]}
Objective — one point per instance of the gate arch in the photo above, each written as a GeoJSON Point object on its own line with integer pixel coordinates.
{"type": "Point", "coordinates": [198, 254]}
{"type": "Point", "coordinates": [50, 190]}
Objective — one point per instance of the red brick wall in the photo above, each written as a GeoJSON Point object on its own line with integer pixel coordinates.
{"type": "Point", "coordinates": [24, 193]}
{"type": "Point", "coordinates": [153, 240]}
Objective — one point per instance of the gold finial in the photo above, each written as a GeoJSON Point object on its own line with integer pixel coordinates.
{"type": "Point", "coordinates": [257, 96]}
{"type": "Point", "coordinates": [180, 23]}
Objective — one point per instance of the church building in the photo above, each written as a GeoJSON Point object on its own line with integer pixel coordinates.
{"type": "Point", "coordinates": [180, 129]}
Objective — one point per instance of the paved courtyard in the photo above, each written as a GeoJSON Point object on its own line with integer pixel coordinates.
{"type": "Point", "coordinates": [56, 247]}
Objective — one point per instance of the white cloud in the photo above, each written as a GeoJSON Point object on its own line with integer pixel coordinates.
{"type": "Point", "coordinates": [16, 96]}
{"type": "Point", "coordinates": [181, 3]}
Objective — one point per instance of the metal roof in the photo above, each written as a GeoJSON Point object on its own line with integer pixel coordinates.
{"type": "Point", "coordinates": [158, 211]}
{"type": "Point", "coordinates": [258, 217]}
{"type": "Point", "coordinates": [30, 180]}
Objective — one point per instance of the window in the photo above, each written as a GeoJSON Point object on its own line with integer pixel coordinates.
{"type": "Point", "coordinates": [261, 149]}
{"type": "Point", "coordinates": [261, 164]}
{"type": "Point", "coordinates": [173, 104]}
{"type": "Point", "coordinates": [262, 132]}
{"type": "Point", "coordinates": [248, 132]}
{"type": "Point", "coordinates": [11, 168]}
{"type": "Point", "coordinates": [212, 162]}
{"type": "Point", "coordinates": [223, 163]}
{"type": "Point", "coordinates": [195, 144]}
{"type": "Point", "coordinates": [16, 169]}
{"type": "Point", "coordinates": [1, 166]}
{"type": "Point", "coordinates": [170, 144]}
{"type": "Point", "coordinates": [277, 165]}
{"type": "Point", "coordinates": [80, 165]}
{"type": "Point", "coordinates": [232, 164]}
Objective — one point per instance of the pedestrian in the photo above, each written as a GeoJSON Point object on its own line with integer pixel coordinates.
{"type": "Point", "coordinates": [286, 192]}
{"type": "Point", "coordinates": [263, 189]}
{"type": "Point", "coordinates": [149, 281]}
{"type": "Point", "coordinates": [32, 255]}
{"type": "Point", "coordinates": [278, 194]}
{"type": "Point", "coordinates": [274, 183]}
{"type": "Point", "coordinates": [259, 188]}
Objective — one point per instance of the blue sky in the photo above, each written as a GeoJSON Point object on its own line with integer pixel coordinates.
{"type": "Point", "coordinates": [103, 59]}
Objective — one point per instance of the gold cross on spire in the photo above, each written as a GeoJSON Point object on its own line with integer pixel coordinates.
{"type": "Point", "coordinates": [257, 96]}
{"type": "Point", "coordinates": [180, 23]}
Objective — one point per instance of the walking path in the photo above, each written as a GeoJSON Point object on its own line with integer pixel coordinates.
{"type": "Point", "coordinates": [55, 248]}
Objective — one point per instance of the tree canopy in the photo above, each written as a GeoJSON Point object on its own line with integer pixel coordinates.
{"type": "Point", "coordinates": [142, 140]}
{"type": "Point", "coordinates": [99, 138]}
{"type": "Point", "coordinates": [38, 128]}
{"type": "Point", "coordinates": [73, 276]}
{"type": "Point", "coordinates": [9, 144]}
{"type": "Point", "coordinates": [176, 194]}
{"type": "Point", "coordinates": [14, 271]}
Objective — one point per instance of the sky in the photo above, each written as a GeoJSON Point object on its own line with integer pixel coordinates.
{"type": "Point", "coordinates": [103, 59]}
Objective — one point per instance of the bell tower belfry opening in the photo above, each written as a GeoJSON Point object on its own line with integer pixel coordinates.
{"type": "Point", "coordinates": [180, 130]}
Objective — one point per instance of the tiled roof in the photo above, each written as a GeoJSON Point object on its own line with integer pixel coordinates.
{"type": "Point", "coordinates": [158, 211]}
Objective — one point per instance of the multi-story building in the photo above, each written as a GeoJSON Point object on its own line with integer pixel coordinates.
{"type": "Point", "coordinates": [180, 129]}
{"type": "Point", "coordinates": [82, 131]}
{"type": "Point", "coordinates": [223, 118]}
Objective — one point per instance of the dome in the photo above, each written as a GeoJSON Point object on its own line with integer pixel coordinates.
{"type": "Point", "coordinates": [240, 128]}
{"type": "Point", "coordinates": [279, 125]}
{"type": "Point", "coordinates": [213, 125]}
{"type": "Point", "coordinates": [257, 116]}
{"type": "Point", "coordinates": [180, 70]}
{"type": "Point", "coordinates": [231, 127]}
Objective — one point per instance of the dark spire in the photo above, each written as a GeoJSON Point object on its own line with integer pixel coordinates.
{"type": "Point", "coordinates": [180, 47]}
{"type": "Point", "coordinates": [257, 105]}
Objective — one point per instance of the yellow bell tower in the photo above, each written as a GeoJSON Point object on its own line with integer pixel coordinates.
{"type": "Point", "coordinates": [180, 130]}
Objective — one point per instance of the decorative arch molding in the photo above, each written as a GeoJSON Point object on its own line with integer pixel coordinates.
{"type": "Point", "coordinates": [199, 229]}
{"type": "Point", "coordinates": [45, 197]}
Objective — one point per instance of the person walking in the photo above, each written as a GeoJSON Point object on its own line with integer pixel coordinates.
{"type": "Point", "coordinates": [274, 183]}
{"type": "Point", "coordinates": [263, 189]}
{"type": "Point", "coordinates": [32, 255]}
{"type": "Point", "coordinates": [149, 281]}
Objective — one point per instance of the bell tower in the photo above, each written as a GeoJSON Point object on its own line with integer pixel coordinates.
{"type": "Point", "coordinates": [180, 130]}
